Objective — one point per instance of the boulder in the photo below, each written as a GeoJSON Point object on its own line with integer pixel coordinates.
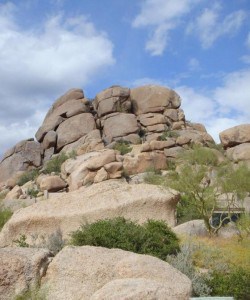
{"type": "Point", "coordinates": [21, 269]}
{"type": "Point", "coordinates": [90, 142]}
{"type": "Point", "coordinates": [235, 135]}
{"type": "Point", "coordinates": [143, 162]}
{"type": "Point", "coordinates": [113, 274]}
{"type": "Point", "coordinates": [192, 228]}
{"type": "Point", "coordinates": [196, 136]}
{"type": "Point", "coordinates": [52, 183]}
{"type": "Point", "coordinates": [153, 98]}
{"type": "Point", "coordinates": [101, 175]}
{"type": "Point", "coordinates": [151, 119]}
{"type": "Point", "coordinates": [26, 155]}
{"type": "Point", "coordinates": [119, 125]}
{"type": "Point", "coordinates": [108, 199]}
{"type": "Point", "coordinates": [74, 128]}
{"type": "Point", "coordinates": [15, 193]}
{"type": "Point", "coordinates": [113, 99]}
{"type": "Point", "coordinates": [72, 94]}
{"type": "Point", "coordinates": [173, 152]}
{"type": "Point", "coordinates": [49, 140]}
{"type": "Point", "coordinates": [239, 153]}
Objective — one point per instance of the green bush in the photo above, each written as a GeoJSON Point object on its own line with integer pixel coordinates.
{"type": "Point", "coordinates": [54, 165]}
{"type": "Point", "coordinates": [200, 155]}
{"type": "Point", "coordinates": [234, 283]}
{"type": "Point", "coordinates": [123, 147]}
{"type": "Point", "coordinates": [187, 210]}
{"type": "Point", "coordinates": [153, 238]}
{"type": "Point", "coordinates": [28, 176]}
{"type": "Point", "coordinates": [168, 134]}
{"type": "Point", "coordinates": [5, 215]}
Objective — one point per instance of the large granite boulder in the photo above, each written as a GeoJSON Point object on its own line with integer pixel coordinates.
{"type": "Point", "coordinates": [74, 128]}
{"type": "Point", "coordinates": [118, 125]}
{"type": "Point", "coordinates": [235, 135]}
{"type": "Point", "coordinates": [107, 199]}
{"type": "Point", "coordinates": [153, 99]}
{"type": "Point", "coordinates": [239, 153]}
{"type": "Point", "coordinates": [113, 274]}
{"type": "Point", "coordinates": [23, 156]}
{"type": "Point", "coordinates": [21, 269]}
{"type": "Point", "coordinates": [113, 99]}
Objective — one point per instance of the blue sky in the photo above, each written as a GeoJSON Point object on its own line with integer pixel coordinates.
{"type": "Point", "coordinates": [200, 48]}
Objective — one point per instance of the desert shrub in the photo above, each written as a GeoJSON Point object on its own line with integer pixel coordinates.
{"type": "Point", "coordinates": [28, 176]}
{"type": "Point", "coordinates": [32, 192]}
{"type": "Point", "coordinates": [187, 210]}
{"type": "Point", "coordinates": [123, 147]}
{"type": "Point", "coordinates": [21, 241]}
{"type": "Point", "coordinates": [153, 176]}
{"type": "Point", "coordinates": [33, 293]}
{"type": "Point", "coordinates": [201, 156]}
{"type": "Point", "coordinates": [3, 195]}
{"type": "Point", "coordinates": [54, 165]}
{"type": "Point", "coordinates": [154, 237]}
{"type": "Point", "coordinates": [168, 134]}
{"type": "Point", "coordinates": [183, 261]}
{"type": "Point", "coordinates": [5, 215]}
{"type": "Point", "coordinates": [234, 283]}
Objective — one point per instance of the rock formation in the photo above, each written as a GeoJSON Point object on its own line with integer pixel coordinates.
{"type": "Point", "coordinates": [141, 115]}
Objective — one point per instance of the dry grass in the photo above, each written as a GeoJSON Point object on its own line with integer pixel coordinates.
{"type": "Point", "coordinates": [214, 252]}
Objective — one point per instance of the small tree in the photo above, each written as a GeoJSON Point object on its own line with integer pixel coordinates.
{"type": "Point", "coordinates": [204, 182]}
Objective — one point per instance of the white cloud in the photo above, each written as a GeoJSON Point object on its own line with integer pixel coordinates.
{"type": "Point", "coordinates": [161, 16]}
{"type": "Point", "coordinates": [209, 26]}
{"type": "Point", "coordinates": [233, 96]}
{"type": "Point", "coordinates": [40, 64]}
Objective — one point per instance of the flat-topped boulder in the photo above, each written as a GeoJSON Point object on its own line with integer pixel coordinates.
{"type": "Point", "coordinates": [153, 98]}
{"type": "Point", "coordinates": [107, 199]}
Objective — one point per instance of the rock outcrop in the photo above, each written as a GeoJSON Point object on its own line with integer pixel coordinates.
{"type": "Point", "coordinates": [113, 274]}
{"type": "Point", "coordinates": [103, 200]}
{"type": "Point", "coordinates": [148, 113]}
{"type": "Point", "coordinates": [21, 269]}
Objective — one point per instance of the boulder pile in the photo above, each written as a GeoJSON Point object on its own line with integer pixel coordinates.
{"type": "Point", "coordinates": [149, 116]}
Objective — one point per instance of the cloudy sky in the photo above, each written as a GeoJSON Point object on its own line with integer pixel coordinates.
{"type": "Point", "coordinates": [200, 48]}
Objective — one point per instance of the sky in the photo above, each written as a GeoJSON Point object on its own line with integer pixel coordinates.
{"type": "Point", "coordinates": [199, 48]}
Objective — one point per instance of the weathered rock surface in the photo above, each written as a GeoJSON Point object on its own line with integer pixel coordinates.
{"type": "Point", "coordinates": [153, 98]}
{"type": "Point", "coordinates": [21, 269]}
{"type": "Point", "coordinates": [107, 199]}
{"type": "Point", "coordinates": [235, 135]}
{"type": "Point", "coordinates": [113, 274]}
{"type": "Point", "coordinates": [239, 153]}
{"type": "Point", "coordinates": [23, 156]}
{"type": "Point", "coordinates": [119, 125]}
{"type": "Point", "coordinates": [191, 228]}
{"type": "Point", "coordinates": [52, 183]}
{"type": "Point", "coordinates": [74, 128]}
{"type": "Point", "coordinates": [114, 99]}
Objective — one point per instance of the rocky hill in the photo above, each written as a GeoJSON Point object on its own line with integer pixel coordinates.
{"type": "Point", "coordinates": [88, 163]}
